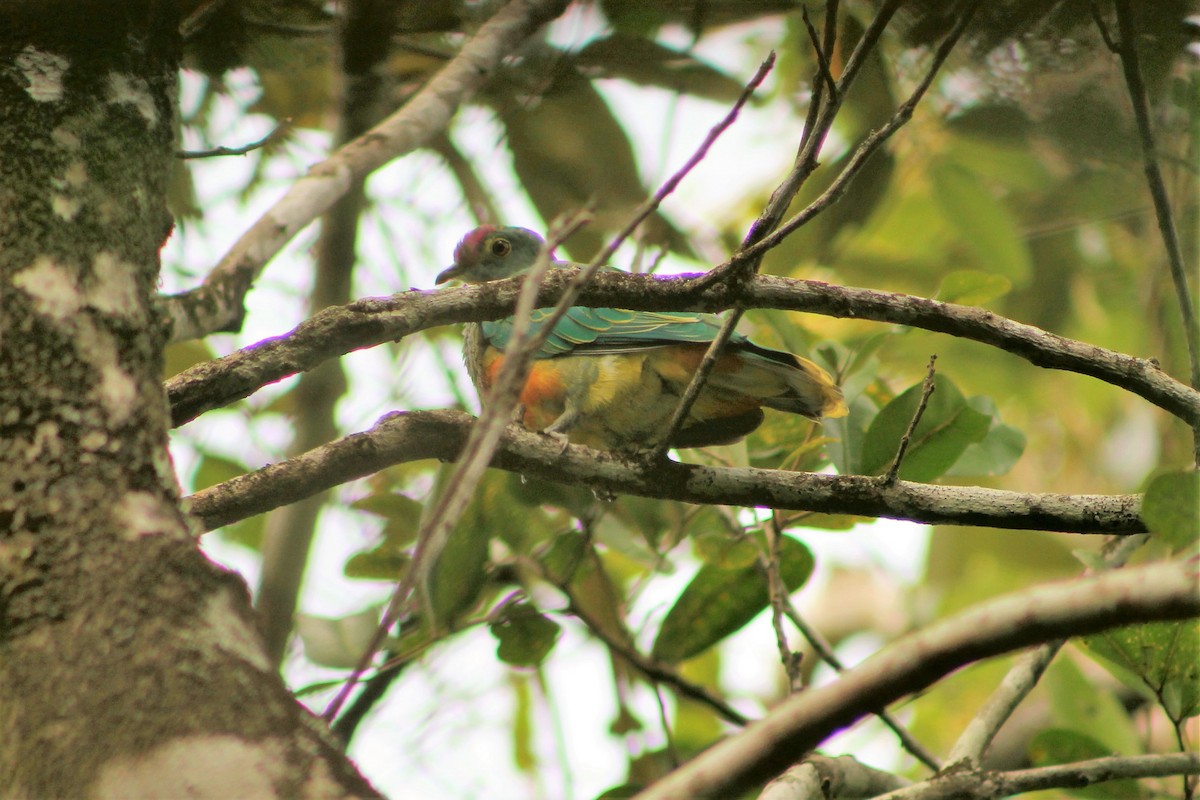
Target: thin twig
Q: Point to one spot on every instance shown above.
(823, 70)
(743, 265)
(278, 131)
(865, 150)
(778, 594)
(1102, 26)
(195, 22)
(1158, 192)
(980, 785)
(926, 392)
(665, 722)
(696, 385)
(655, 671)
(478, 198)
(825, 651)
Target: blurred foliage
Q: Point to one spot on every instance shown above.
(1017, 187)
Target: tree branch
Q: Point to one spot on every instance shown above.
(217, 304)
(372, 321)
(215, 152)
(1128, 52)
(824, 777)
(1020, 679)
(409, 436)
(1155, 592)
(986, 785)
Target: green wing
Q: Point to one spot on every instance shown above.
(613, 330)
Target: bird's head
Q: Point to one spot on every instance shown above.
(489, 253)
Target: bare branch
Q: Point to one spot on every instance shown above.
(864, 151)
(217, 304)
(214, 152)
(372, 321)
(749, 257)
(823, 70)
(1155, 592)
(778, 595)
(401, 437)
(986, 785)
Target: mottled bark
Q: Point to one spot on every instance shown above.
(129, 663)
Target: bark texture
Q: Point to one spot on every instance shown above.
(129, 664)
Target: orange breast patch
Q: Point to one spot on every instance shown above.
(543, 384)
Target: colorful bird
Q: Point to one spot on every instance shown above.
(611, 379)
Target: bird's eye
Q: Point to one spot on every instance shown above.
(501, 247)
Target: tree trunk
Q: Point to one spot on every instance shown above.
(130, 665)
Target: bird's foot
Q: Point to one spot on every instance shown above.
(559, 437)
(604, 495)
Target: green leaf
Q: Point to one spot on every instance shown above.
(1061, 746)
(214, 469)
(525, 636)
(1163, 656)
(337, 642)
(454, 576)
(844, 435)
(391, 505)
(387, 560)
(972, 287)
(562, 557)
(382, 563)
(569, 151)
(645, 62)
(1078, 704)
(719, 601)
(994, 454)
(1171, 509)
(179, 356)
(720, 549)
(984, 225)
(947, 427)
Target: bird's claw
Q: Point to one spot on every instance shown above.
(559, 437)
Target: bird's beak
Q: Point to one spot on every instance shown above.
(450, 273)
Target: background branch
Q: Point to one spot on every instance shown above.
(801, 722)
(1128, 51)
(217, 304)
(288, 534)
